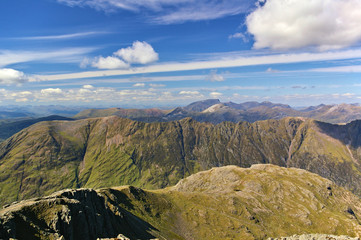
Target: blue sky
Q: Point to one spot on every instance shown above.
(142, 53)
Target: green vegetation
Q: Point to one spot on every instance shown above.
(112, 151)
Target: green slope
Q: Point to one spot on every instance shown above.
(112, 151)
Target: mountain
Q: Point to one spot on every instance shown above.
(213, 111)
(10, 114)
(135, 114)
(113, 151)
(17, 111)
(10, 127)
(222, 203)
(201, 105)
(341, 113)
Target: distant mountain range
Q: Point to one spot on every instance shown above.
(113, 151)
(28, 111)
(223, 203)
(212, 110)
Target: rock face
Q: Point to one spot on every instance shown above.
(71, 214)
(111, 151)
(222, 203)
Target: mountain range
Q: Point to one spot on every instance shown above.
(222, 203)
(15, 119)
(212, 110)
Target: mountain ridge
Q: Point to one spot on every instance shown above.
(111, 151)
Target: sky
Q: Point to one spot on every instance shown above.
(163, 53)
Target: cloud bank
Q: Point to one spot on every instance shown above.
(287, 24)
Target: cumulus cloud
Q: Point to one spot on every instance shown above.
(287, 24)
(215, 94)
(169, 11)
(139, 52)
(12, 76)
(214, 77)
(139, 85)
(109, 63)
(51, 91)
(88, 86)
(189, 93)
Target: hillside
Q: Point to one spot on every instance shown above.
(10, 127)
(222, 203)
(113, 151)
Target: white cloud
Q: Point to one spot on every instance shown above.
(169, 11)
(62, 37)
(139, 85)
(139, 52)
(189, 93)
(62, 55)
(12, 76)
(51, 91)
(325, 24)
(214, 77)
(109, 63)
(235, 61)
(215, 94)
(88, 86)
(238, 36)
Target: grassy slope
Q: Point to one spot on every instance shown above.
(112, 151)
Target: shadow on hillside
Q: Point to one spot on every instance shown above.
(349, 134)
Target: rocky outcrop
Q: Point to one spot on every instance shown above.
(222, 203)
(70, 214)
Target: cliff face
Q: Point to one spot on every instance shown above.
(222, 203)
(112, 151)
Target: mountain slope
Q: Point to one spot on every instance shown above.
(10, 127)
(222, 203)
(113, 151)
